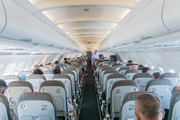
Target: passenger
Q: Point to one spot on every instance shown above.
(56, 70)
(132, 68)
(2, 86)
(130, 61)
(148, 107)
(41, 65)
(176, 89)
(38, 71)
(145, 69)
(65, 61)
(95, 56)
(156, 75)
(23, 77)
(36, 67)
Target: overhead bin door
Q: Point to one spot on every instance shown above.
(2, 16)
(171, 14)
(148, 23)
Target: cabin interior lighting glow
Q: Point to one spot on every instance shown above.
(47, 15)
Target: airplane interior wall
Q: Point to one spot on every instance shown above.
(166, 60)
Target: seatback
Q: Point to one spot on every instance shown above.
(4, 108)
(174, 107)
(163, 89)
(122, 70)
(72, 76)
(127, 105)
(130, 73)
(75, 71)
(101, 72)
(36, 106)
(48, 74)
(58, 91)
(27, 73)
(119, 88)
(174, 90)
(141, 79)
(10, 78)
(174, 77)
(35, 80)
(16, 88)
(105, 76)
(110, 80)
(118, 67)
(67, 82)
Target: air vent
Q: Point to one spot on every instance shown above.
(86, 9)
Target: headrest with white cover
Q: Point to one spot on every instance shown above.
(142, 75)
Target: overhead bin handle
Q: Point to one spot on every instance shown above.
(145, 37)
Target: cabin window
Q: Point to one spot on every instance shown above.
(10, 69)
(19, 68)
(28, 65)
(1, 68)
(145, 65)
(161, 69)
(152, 67)
(171, 71)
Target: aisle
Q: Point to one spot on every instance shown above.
(89, 107)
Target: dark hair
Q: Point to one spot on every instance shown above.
(56, 62)
(2, 83)
(148, 105)
(56, 71)
(156, 74)
(65, 59)
(145, 69)
(130, 61)
(140, 66)
(38, 71)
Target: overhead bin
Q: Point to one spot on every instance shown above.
(171, 15)
(21, 25)
(148, 23)
(2, 16)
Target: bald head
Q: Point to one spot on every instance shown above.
(148, 107)
(132, 68)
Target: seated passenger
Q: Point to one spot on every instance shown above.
(145, 70)
(132, 68)
(36, 67)
(65, 61)
(2, 86)
(38, 71)
(41, 65)
(156, 75)
(56, 70)
(176, 89)
(58, 63)
(23, 77)
(148, 107)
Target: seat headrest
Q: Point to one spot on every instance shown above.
(142, 75)
(131, 71)
(20, 83)
(61, 76)
(52, 83)
(25, 72)
(35, 76)
(36, 96)
(169, 75)
(110, 71)
(47, 72)
(115, 75)
(11, 77)
(159, 82)
(124, 68)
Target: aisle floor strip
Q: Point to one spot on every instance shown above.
(81, 102)
(98, 103)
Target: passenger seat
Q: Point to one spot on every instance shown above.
(174, 77)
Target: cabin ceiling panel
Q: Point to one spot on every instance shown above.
(87, 22)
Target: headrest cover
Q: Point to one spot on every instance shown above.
(61, 76)
(36, 96)
(142, 75)
(67, 72)
(131, 71)
(25, 72)
(4, 100)
(47, 72)
(124, 68)
(10, 77)
(52, 83)
(20, 84)
(36, 76)
(175, 98)
(159, 82)
(115, 75)
(110, 71)
(169, 75)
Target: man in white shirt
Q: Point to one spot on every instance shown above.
(95, 56)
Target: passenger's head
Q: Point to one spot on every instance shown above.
(56, 62)
(36, 67)
(156, 74)
(132, 68)
(176, 89)
(95, 51)
(130, 61)
(38, 71)
(23, 77)
(76, 64)
(140, 66)
(145, 69)
(56, 71)
(148, 107)
(2, 86)
(65, 59)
